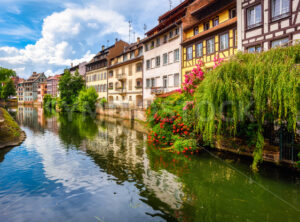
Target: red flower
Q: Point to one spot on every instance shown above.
(186, 132)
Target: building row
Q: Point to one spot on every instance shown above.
(132, 75)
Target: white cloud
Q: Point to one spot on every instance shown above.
(65, 38)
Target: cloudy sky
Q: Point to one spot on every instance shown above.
(47, 35)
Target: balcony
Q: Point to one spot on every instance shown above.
(158, 90)
(121, 77)
(121, 90)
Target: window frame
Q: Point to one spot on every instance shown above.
(196, 49)
(214, 44)
(281, 16)
(187, 58)
(228, 41)
(257, 24)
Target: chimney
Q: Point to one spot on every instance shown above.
(103, 47)
(34, 73)
(138, 40)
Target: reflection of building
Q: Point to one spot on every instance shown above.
(162, 54)
(125, 151)
(96, 69)
(210, 30)
(125, 83)
(263, 24)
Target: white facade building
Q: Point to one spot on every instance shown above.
(162, 62)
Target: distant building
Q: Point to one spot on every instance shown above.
(52, 85)
(96, 69)
(29, 88)
(125, 77)
(80, 67)
(42, 91)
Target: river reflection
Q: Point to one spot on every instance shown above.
(75, 168)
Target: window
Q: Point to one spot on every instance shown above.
(152, 44)
(105, 75)
(146, 47)
(165, 59)
(196, 30)
(199, 50)
(253, 49)
(125, 57)
(280, 42)
(176, 31)
(216, 21)
(165, 81)
(139, 67)
(280, 8)
(176, 55)
(254, 16)
(111, 74)
(165, 39)
(110, 85)
(131, 55)
(232, 13)
(206, 26)
(171, 34)
(224, 41)
(148, 83)
(148, 64)
(176, 79)
(210, 46)
(158, 41)
(130, 98)
(152, 82)
(157, 61)
(189, 53)
(140, 51)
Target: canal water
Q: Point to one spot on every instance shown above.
(78, 168)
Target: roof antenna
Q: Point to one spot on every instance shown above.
(145, 28)
(170, 1)
(130, 25)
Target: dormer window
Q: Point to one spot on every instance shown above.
(206, 26)
(216, 21)
(232, 13)
(196, 30)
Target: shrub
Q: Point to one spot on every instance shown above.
(87, 99)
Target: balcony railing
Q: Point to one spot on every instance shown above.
(121, 90)
(121, 76)
(158, 90)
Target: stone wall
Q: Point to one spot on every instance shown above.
(123, 113)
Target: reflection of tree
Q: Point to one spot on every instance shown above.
(75, 128)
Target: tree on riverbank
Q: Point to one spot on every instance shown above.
(69, 87)
(7, 87)
(246, 98)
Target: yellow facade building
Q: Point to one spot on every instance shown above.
(210, 30)
(125, 78)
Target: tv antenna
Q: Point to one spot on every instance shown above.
(130, 26)
(145, 28)
(170, 2)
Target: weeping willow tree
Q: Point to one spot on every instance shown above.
(248, 92)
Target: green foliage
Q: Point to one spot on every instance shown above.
(8, 89)
(49, 102)
(103, 102)
(5, 74)
(250, 89)
(87, 99)
(9, 129)
(69, 87)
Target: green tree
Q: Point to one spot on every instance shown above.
(87, 100)
(8, 89)
(69, 87)
(6, 74)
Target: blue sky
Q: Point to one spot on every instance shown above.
(46, 36)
